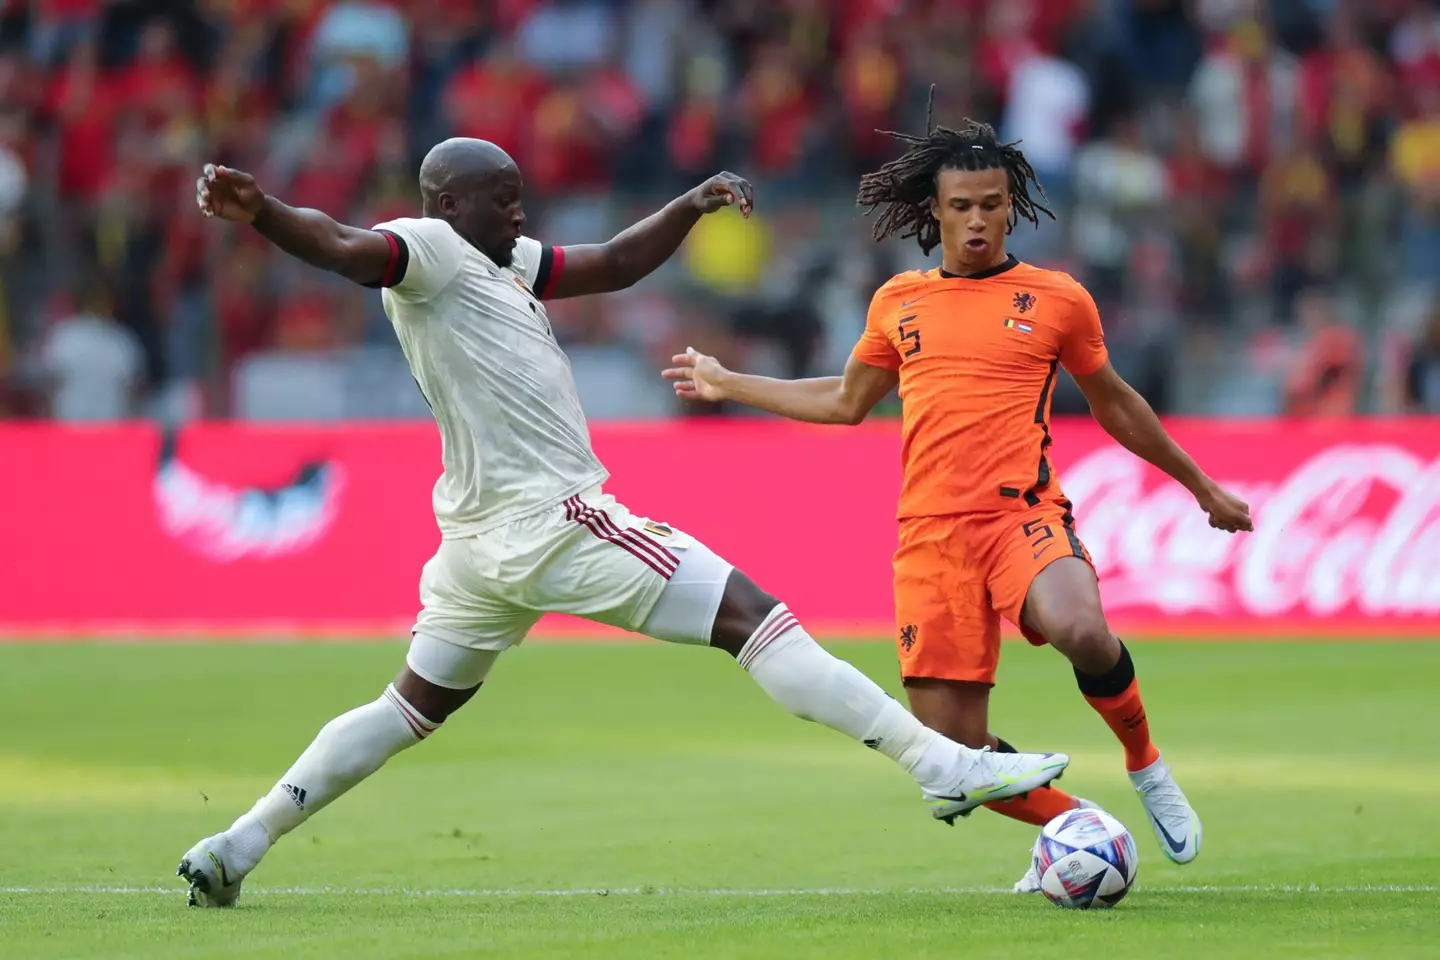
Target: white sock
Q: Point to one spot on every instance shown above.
(803, 678)
(345, 751)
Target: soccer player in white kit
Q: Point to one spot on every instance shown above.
(526, 528)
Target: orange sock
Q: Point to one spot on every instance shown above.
(1116, 697)
(1039, 808)
(1126, 716)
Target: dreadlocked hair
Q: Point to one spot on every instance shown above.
(904, 187)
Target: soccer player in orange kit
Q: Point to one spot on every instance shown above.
(985, 530)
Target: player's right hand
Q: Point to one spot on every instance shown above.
(696, 376)
(228, 194)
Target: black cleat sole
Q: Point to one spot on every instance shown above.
(199, 883)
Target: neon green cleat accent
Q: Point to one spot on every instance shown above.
(996, 776)
(211, 883)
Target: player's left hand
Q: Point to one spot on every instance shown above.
(723, 190)
(1227, 511)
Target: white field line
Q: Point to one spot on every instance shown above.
(1294, 889)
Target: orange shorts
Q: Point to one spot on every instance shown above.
(956, 576)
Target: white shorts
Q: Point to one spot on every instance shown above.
(588, 557)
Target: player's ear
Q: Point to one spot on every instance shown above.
(935, 207)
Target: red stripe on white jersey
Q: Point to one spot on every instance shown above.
(783, 622)
(557, 267)
(389, 279)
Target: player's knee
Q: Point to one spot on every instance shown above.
(1086, 642)
(743, 608)
(434, 702)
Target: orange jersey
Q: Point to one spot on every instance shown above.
(978, 357)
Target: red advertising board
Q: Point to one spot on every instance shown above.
(322, 531)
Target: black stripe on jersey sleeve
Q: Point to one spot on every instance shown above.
(543, 272)
(399, 262)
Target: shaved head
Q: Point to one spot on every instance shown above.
(459, 163)
(475, 186)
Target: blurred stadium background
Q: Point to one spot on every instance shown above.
(1251, 189)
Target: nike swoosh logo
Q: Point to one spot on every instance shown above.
(906, 303)
(1036, 555)
(960, 799)
(1176, 847)
(224, 877)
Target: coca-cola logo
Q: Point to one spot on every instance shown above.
(226, 523)
(1355, 527)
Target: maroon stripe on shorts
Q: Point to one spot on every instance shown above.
(639, 539)
(598, 523)
(588, 522)
(635, 536)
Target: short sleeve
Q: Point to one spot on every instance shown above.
(425, 255)
(874, 347)
(1082, 351)
(538, 265)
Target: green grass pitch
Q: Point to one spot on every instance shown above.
(633, 800)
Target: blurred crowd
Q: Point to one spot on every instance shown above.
(1251, 189)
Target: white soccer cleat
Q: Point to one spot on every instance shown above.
(1030, 883)
(990, 776)
(1172, 818)
(212, 884)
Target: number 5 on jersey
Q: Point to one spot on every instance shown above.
(912, 335)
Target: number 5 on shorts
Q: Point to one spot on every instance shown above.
(1044, 530)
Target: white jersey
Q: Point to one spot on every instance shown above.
(481, 349)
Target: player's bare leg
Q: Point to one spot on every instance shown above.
(346, 751)
(1063, 606)
(960, 709)
(768, 641)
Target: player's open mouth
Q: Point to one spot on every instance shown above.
(977, 245)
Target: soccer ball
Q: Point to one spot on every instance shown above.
(1085, 860)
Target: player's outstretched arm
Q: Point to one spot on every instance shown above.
(639, 250)
(359, 255)
(1126, 416)
(844, 399)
